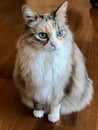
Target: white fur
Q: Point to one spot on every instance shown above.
(38, 114)
(54, 115)
(49, 69)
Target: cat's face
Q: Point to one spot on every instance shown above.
(47, 31)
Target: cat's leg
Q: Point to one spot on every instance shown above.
(54, 114)
(55, 106)
(38, 109)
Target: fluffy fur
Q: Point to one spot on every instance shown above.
(50, 72)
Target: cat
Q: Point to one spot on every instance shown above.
(50, 71)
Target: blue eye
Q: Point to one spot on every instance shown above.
(60, 33)
(42, 35)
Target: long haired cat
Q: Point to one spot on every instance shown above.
(50, 72)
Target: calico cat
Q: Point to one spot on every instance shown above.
(50, 71)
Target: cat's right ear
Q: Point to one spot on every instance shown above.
(29, 15)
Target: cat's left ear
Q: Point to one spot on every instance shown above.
(61, 12)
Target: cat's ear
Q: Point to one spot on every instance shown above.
(61, 12)
(29, 15)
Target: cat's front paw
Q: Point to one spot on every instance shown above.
(38, 113)
(53, 117)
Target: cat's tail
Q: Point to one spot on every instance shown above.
(74, 104)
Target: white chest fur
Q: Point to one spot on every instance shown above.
(49, 70)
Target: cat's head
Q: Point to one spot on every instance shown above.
(48, 31)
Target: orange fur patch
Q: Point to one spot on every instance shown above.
(49, 27)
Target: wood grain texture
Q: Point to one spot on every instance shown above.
(83, 21)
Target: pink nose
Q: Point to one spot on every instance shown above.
(53, 45)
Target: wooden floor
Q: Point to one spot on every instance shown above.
(83, 21)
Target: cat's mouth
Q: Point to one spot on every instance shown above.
(53, 48)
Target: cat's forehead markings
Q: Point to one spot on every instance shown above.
(49, 26)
